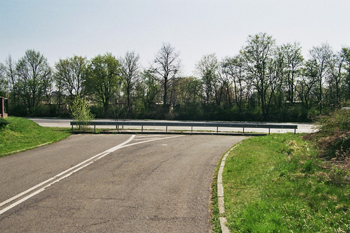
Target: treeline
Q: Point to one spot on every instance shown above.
(263, 82)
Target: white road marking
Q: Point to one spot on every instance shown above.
(150, 135)
(136, 143)
(57, 178)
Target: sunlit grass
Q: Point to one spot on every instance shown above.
(276, 184)
(23, 134)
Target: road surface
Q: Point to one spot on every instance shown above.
(111, 183)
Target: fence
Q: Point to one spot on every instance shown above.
(186, 124)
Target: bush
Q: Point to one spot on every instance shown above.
(18, 110)
(3, 123)
(333, 137)
(81, 112)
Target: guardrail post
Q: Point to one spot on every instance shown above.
(94, 128)
(166, 128)
(217, 129)
(118, 128)
(141, 128)
(295, 131)
(191, 128)
(243, 130)
(72, 128)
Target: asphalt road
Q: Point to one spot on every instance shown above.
(111, 183)
(302, 127)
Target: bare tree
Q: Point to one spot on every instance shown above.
(335, 78)
(257, 55)
(71, 73)
(167, 65)
(306, 84)
(345, 53)
(130, 73)
(234, 67)
(294, 61)
(207, 69)
(34, 78)
(11, 76)
(322, 56)
(3, 80)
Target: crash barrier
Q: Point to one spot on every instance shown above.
(185, 124)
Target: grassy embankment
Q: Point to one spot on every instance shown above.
(22, 134)
(277, 183)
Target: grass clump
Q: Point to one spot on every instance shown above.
(278, 184)
(22, 134)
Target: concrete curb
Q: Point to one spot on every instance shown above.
(221, 203)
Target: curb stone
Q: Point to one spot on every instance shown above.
(220, 195)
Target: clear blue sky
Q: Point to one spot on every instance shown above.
(63, 28)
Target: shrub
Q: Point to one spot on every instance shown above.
(81, 112)
(3, 123)
(333, 137)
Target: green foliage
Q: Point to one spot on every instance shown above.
(3, 123)
(277, 184)
(264, 81)
(81, 112)
(103, 79)
(23, 134)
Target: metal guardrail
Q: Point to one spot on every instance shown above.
(186, 124)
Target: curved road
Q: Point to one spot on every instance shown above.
(111, 183)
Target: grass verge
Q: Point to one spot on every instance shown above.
(277, 183)
(22, 134)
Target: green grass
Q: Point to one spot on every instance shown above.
(23, 134)
(276, 183)
(215, 222)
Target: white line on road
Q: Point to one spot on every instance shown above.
(57, 178)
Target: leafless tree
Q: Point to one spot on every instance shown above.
(167, 65)
(130, 73)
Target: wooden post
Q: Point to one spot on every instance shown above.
(2, 107)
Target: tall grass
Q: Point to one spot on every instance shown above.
(23, 134)
(277, 184)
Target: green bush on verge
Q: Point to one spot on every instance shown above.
(81, 112)
(3, 123)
